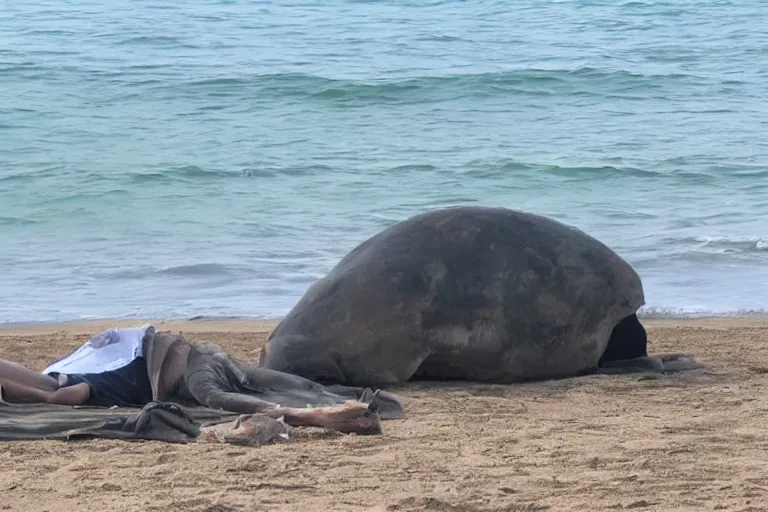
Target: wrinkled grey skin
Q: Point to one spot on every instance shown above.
(468, 293)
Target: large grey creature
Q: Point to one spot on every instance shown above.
(469, 293)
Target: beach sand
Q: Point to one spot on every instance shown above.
(696, 441)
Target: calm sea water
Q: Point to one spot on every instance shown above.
(216, 158)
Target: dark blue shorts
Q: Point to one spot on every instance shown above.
(126, 387)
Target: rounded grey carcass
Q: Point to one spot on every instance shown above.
(468, 293)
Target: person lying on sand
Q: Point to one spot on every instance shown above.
(107, 370)
(125, 386)
(149, 366)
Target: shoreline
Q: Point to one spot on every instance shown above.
(256, 325)
(191, 325)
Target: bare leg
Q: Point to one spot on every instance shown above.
(350, 418)
(279, 395)
(15, 372)
(295, 391)
(20, 393)
(71, 395)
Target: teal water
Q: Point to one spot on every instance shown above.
(216, 158)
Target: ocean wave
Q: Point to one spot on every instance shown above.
(183, 173)
(661, 312)
(194, 270)
(722, 244)
(750, 173)
(9, 69)
(199, 270)
(162, 41)
(15, 221)
(22, 176)
(292, 171)
(505, 167)
(714, 252)
(486, 169)
(203, 313)
(404, 170)
(584, 81)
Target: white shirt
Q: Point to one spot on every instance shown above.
(108, 350)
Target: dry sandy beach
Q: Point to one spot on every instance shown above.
(687, 442)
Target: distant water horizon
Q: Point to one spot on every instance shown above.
(216, 159)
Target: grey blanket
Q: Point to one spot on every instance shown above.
(160, 421)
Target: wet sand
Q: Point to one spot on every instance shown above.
(696, 441)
